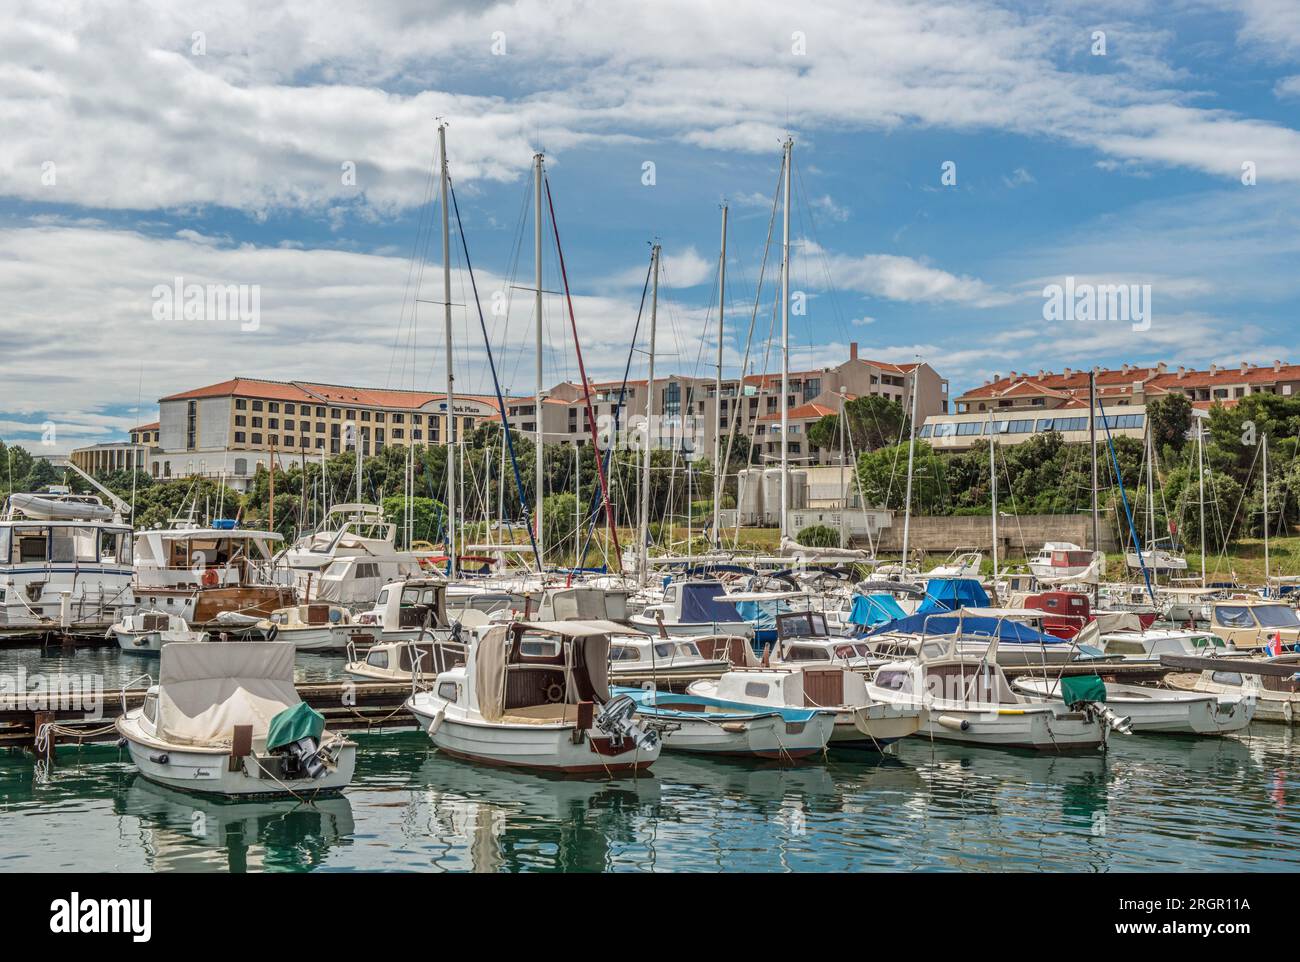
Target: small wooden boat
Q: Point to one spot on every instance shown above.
(1161, 710)
(226, 719)
(145, 632)
(717, 726)
(535, 695)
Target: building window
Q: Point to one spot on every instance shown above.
(257, 405)
(257, 439)
(191, 425)
(239, 437)
(241, 404)
(257, 422)
(379, 417)
(351, 414)
(273, 424)
(397, 419)
(288, 425)
(240, 421)
(336, 413)
(365, 415)
(274, 407)
(289, 409)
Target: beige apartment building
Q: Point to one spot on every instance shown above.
(753, 403)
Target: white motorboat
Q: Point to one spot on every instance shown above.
(969, 701)
(1149, 645)
(636, 659)
(202, 574)
(225, 719)
(318, 627)
(715, 726)
(1160, 709)
(406, 661)
(1274, 682)
(65, 564)
(409, 610)
(859, 722)
(145, 632)
(348, 557)
(535, 695)
(1058, 562)
(692, 608)
(960, 564)
(803, 639)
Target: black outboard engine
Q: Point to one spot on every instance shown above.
(302, 759)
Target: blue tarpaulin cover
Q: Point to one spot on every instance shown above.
(949, 594)
(871, 610)
(1013, 632)
(698, 603)
(761, 614)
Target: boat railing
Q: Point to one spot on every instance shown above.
(145, 677)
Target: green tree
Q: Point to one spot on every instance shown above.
(818, 536)
(1168, 419)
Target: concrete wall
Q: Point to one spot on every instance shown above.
(1017, 535)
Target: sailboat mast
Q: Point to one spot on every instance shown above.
(1092, 443)
(785, 339)
(643, 540)
(911, 457)
(1266, 559)
(718, 474)
(449, 439)
(993, 480)
(1200, 468)
(844, 489)
(539, 438)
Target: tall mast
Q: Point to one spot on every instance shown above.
(537, 306)
(1092, 442)
(1266, 565)
(844, 490)
(911, 455)
(993, 479)
(785, 339)
(644, 535)
(717, 381)
(1200, 467)
(449, 440)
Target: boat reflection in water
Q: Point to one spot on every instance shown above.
(182, 832)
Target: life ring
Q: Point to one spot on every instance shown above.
(209, 577)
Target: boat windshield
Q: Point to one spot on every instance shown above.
(1276, 616)
(1233, 616)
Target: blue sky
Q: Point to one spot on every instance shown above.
(205, 142)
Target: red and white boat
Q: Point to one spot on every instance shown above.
(1059, 561)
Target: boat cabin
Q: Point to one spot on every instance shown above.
(414, 603)
(1064, 612)
(1254, 623)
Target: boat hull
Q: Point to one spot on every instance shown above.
(550, 748)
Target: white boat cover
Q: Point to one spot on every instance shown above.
(205, 689)
(54, 508)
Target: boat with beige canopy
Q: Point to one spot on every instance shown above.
(536, 695)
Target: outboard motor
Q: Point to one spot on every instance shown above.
(303, 759)
(617, 720)
(294, 735)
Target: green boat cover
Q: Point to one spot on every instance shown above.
(300, 721)
(1075, 689)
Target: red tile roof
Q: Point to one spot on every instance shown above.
(153, 426)
(313, 393)
(1120, 381)
(803, 412)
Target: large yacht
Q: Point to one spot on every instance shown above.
(65, 563)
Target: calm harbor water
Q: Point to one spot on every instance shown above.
(1150, 803)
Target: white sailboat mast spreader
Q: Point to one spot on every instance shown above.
(450, 435)
(785, 340)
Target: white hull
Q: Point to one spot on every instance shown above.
(207, 772)
(547, 747)
(325, 637)
(1035, 726)
(1169, 712)
(768, 736)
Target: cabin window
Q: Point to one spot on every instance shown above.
(663, 650)
(30, 544)
(894, 680)
(1226, 678)
(624, 653)
(377, 659)
(447, 691)
(4, 544)
(670, 595)
(1233, 616)
(74, 544)
(383, 598)
(688, 649)
(756, 689)
(807, 653)
(151, 707)
(536, 648)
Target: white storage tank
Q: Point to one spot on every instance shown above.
(772, 496)
(749, 495)
(798, 490)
